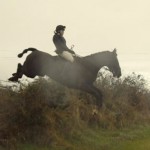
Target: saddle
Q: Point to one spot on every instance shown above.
(59, 58)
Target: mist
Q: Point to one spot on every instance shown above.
(92, 26)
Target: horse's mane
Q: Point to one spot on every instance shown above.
(98, 53)
(88, 57)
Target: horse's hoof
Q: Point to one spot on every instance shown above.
(95, 111)
(13, 79)
(14, 74)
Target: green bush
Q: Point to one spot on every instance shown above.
(45, 112)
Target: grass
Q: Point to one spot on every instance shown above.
(94, 139)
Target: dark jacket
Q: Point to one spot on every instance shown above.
(60, 44)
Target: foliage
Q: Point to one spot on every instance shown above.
(47, 113)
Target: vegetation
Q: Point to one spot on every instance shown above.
(45, 114)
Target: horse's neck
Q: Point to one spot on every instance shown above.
(98, 60)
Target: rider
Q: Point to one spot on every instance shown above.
(60, 44)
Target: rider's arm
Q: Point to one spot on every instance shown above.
(61, 44)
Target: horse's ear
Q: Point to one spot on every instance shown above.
(115, 51)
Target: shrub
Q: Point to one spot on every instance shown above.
(45, 112)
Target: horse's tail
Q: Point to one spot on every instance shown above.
(26, 50)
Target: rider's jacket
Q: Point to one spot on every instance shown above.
(60, 44)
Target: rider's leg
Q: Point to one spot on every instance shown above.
(67, 56)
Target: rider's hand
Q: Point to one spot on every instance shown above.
(72, 46)
(71, 51)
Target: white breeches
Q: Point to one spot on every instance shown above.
(68, 56)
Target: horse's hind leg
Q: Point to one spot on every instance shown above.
(17, 75)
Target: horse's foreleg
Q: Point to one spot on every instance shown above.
(100, 95)
(95, 92)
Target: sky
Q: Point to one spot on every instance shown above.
(91, 25)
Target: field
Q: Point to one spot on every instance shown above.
(127, 139)
(45, 115)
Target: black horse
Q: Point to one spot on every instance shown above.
(78, 75)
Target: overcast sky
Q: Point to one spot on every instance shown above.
(91, 25)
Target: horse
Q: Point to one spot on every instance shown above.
(80, 74)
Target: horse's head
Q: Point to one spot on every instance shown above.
(105, 58)
(113, 65)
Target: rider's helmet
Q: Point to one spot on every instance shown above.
(59, 28)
